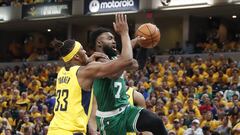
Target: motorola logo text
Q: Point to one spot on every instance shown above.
(95, 5)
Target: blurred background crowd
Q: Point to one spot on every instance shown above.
(182, 91)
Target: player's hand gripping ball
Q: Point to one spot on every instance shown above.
(151, 34)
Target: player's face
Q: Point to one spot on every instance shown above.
(106, 43)
(83, 58)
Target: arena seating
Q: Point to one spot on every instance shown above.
(179, 89)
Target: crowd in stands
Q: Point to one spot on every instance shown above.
(206, 47)
(17, 3)
(26, 99)
(30, 50)
(191, 95)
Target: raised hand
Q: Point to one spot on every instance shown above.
(120, 25)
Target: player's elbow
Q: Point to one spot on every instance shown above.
(134, 66)
(127, 62)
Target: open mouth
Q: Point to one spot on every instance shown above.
(114, 47)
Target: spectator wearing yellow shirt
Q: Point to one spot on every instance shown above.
(8, 94)
(205, 91)
(34, 112)
(212, 77)
(211, 46)
(176, 94)
(177, 127)
(176, 114)
(180, 72)
(235, 78)
(23, 102)
(221, 99)
(200, 64)
(153, 101)
(197, 77)
(16, 94)
(230, 70)
(8, 117)
(205, 85)
(190, 106)
(203, 72)
(234, 103)
(167, 124)
(236, 129)
(39, 95)
(4, 126)
(172, 101)
(27, 125)
(222, 78)
(34, 85)
(184, 80)
(184, 94)
(210, 122)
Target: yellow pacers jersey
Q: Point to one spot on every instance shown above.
(73, 105)
(131, 101)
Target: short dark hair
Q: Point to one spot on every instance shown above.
(65, 47)
(95, 34)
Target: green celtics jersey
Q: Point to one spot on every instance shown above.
(110, 94)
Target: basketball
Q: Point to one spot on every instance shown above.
(151, 33)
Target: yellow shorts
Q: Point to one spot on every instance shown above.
(131, 133)
(60, 132)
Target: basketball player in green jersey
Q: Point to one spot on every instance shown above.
(114, 115)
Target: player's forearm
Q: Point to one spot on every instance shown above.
(118, 67)
(127, 52)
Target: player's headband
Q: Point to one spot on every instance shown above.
(74, 51)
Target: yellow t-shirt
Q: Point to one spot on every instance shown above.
(174, 116)
(180, 131)
(213, 124)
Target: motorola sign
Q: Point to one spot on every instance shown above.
(94, 6)
(108, 6)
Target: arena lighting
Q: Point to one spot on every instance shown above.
(111, 13)
(234, 16)
(46, 17)
(237, 2)
(184, 7)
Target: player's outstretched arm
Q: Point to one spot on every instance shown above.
(121, 27)
(104, 70)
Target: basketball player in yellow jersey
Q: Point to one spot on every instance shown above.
(75, 78)
(137, 99)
